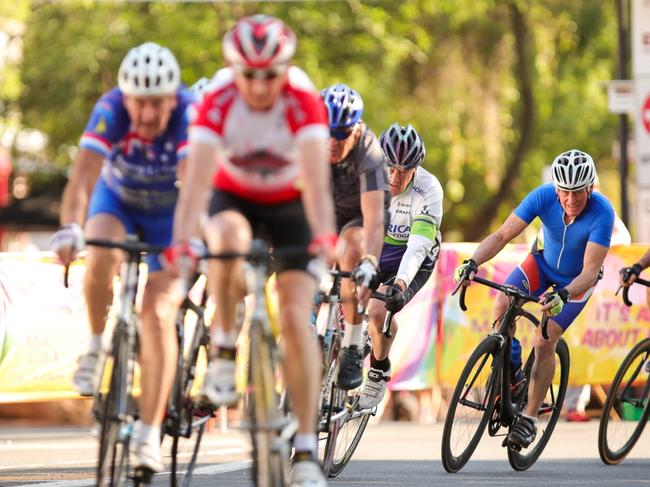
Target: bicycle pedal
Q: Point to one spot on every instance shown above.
(142, 475)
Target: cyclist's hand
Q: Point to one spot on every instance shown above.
(555, 301)
(324, 246)
(627, 275)
(465, 271)
(395, 300)
(181, 259)
(67, 241)
(365, 277)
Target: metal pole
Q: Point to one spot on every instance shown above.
(622, 10)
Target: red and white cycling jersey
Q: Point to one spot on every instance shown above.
(258, 149)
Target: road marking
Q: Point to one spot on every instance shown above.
(208, 470)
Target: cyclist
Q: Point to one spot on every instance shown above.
(361, 197)
(628, 275)
(410, 247)
(123, 181)
(577, 224)
(264, 123)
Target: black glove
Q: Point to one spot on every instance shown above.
(395, 300)
(627, 272)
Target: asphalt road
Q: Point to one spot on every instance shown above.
(391, 454)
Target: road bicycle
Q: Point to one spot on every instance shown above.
(489, 395)
(341, 422)
(627, 407)
(271, 426)
(186, 418)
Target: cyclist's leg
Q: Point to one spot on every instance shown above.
(288, 227)
(350, 362)
(158, 344)
(107, 219)
(227, 230)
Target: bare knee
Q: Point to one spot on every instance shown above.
(228, 231)
(352, 242)
(376, 314)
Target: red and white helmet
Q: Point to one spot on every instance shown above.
(259, 41)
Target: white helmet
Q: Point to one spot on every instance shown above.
(149, 69)
(573, 170)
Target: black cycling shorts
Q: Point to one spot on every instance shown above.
(357, 221)
(281, 224)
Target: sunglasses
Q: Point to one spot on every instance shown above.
(339, 134)
(268, 74)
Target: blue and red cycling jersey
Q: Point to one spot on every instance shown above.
(565, 244)
(140, 172)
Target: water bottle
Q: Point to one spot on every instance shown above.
(515, 355)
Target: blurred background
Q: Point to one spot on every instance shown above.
(496, 88)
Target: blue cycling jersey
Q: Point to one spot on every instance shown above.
(565, 244)
(141, 173)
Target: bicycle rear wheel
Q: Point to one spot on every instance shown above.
(270, 451)
(626, 409)
(471, 405)
(549, 411)
(116, 422)
(188, 421)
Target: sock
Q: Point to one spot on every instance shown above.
(306, 443)
(224, 339)
(383, 365)
(533, 419)
(95, 343)
(149, 434)
(353, 335)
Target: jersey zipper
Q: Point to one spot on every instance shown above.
(559, 257)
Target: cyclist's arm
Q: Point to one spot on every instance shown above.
(83, 176)
(644, 261)
(594, 257)
(198, 171)
(315, 177)
(495, 242)
(372, 209)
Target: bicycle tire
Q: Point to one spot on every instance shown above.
(549, 411)
(187, 426)
(610, 454)
(353, 427)
(113, 462)
(477, 412)
(269, 461)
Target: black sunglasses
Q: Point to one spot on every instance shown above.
(263, 74)
(340, 134)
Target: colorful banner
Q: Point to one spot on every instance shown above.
(43, 325)
(598, 340)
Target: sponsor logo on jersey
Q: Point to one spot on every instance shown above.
(100, 127)
(419, 191)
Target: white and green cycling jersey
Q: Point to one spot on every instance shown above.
(413, 230)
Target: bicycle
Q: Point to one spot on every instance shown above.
(116, 409)
(486, 394)
(627, 407)
(270, 425)
(341, 423)
(186, 419)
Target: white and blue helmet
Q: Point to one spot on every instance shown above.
(199, 88)
(344, 106)
(573, 170)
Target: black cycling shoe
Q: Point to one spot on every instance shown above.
(522, 433)
(350, 367)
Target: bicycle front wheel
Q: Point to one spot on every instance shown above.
(344, 434)
(626, 409)
(471, 405)
(270, 453)
(549, 411)
(112, 466)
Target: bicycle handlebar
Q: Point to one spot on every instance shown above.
(508, 290)
(626, 289)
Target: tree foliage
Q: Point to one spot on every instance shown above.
(496, 88)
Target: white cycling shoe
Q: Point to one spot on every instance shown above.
(86, 377)
(148, 456)
(374, 389)
(219, 386)
(307, 474)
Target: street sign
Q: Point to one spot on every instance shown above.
(620, 96)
